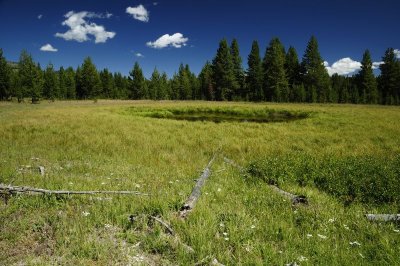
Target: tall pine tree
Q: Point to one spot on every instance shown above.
(254, 81)
(389, 81)
(366, 80)
(238, 72)
(5, 78)
(224, 78)
(314, 74)
(276, 87)
(206, 82)
(137, 83)
(90, 82)
(292, 67)
(51, 83)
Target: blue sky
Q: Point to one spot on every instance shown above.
(114, 37)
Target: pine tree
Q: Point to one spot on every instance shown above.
(5, 78)
(51, 83)
(292, 67)
(275, 80)
(30, 78)
(62, 76)
(80, 93)
(206, 82)
(223, 72)
(107, 83)
(90, 82)
(366, 80)
(184, 84)
(70, 84)
(137, 83)
(389, 81)
(238, 71)
(154, 85)
(314, 73)
(120, 87)
(164, 91)
(255, 74)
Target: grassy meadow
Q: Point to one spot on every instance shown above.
(344, 158)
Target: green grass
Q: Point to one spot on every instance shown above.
(344, 158)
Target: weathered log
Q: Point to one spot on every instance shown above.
(296, 199)
(30, 190)
(383, 217)
(167, 226)
(196, 192)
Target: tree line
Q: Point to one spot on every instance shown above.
(277, 77)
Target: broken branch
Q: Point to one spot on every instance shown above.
(383, 217)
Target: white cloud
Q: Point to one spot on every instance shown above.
(343, 66)
(176, 40)
(397, 53)
(48, 48)
(375, 65)
(80, 28)
(40, 16)
(155, 3)
(139, 55)
(139, 13)
(346, 66)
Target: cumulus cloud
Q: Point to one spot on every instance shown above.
(397, 53)
(40, 16)
(139, 55)
(343, 66)
(346, 66)
(139, 12)
(48, 48)
(80, 28)
(176, 40)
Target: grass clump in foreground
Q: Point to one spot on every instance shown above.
(238, 220)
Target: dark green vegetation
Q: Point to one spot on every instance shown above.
(277, 77)
(221, 114)
(344, 158)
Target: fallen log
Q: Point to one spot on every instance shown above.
(196, 192)
(8, 189)
(383, 217)
(295, 199)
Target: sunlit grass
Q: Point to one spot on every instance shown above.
(102, 146)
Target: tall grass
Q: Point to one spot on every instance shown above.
(103, 145)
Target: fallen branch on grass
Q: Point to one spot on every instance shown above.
(30, 190)
(383, 217)
(196, 192)
(296, 199)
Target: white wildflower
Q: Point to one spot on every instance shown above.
(103, 183)
(170, 182)
(70, 183)
(331, 220)
(253, 226)
(292, 264)
(302, 258)
(396, 230)
(322, 236)
(309, 235)
(137, 185)
(226, 238)
(355, 243)
(107, 226)
(221, 225)
(225, 233)
(85, 213)
(219, 189)
(346, 227)
(361, 255)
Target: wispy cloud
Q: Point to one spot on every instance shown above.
(139, 12)
(346, 66)
(397, 53)
(39, 16)
(139, 55)
(80, 28)
(48, 48)
(176, 40)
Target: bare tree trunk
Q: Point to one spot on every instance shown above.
(29, 190)
(196, 192)
(383, 217)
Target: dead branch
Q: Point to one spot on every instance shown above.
(30, 190)
(383, 217)
(167, 226)
(196, 192)
(296, 199)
